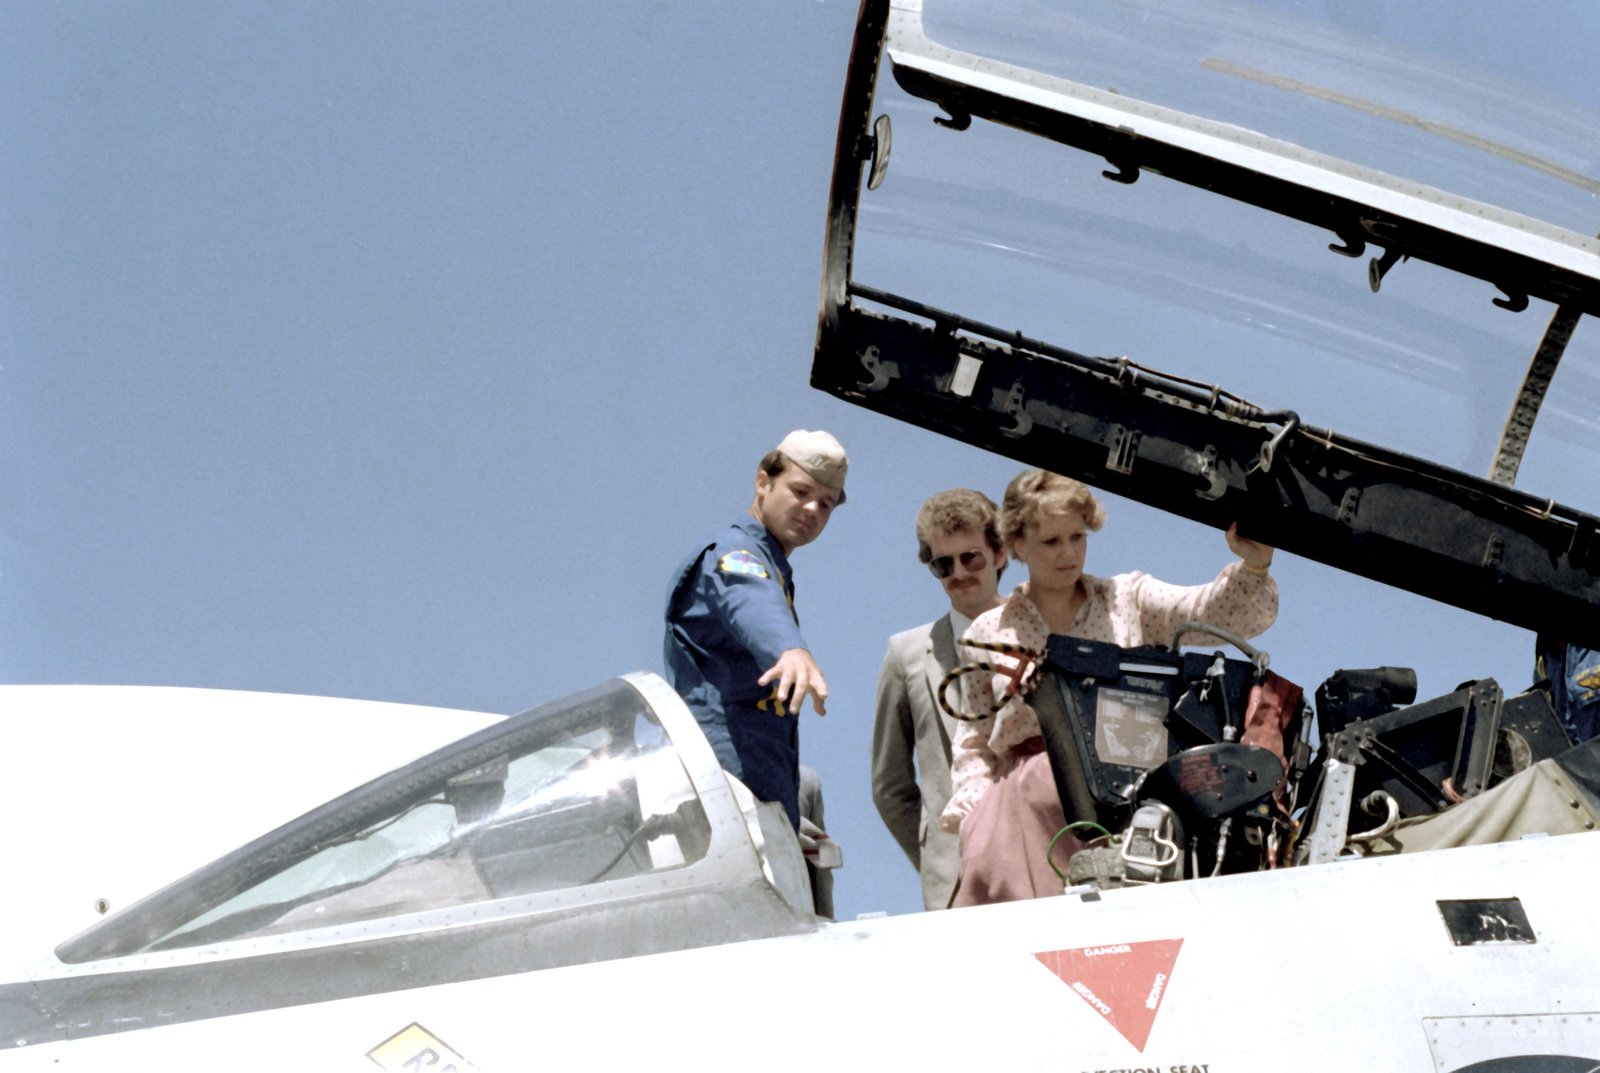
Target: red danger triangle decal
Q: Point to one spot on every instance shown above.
(1124, 983)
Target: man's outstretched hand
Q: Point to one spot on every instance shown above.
(798, 676)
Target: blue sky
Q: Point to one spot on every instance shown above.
(400, 351)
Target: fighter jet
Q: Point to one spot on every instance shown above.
(1382, 881)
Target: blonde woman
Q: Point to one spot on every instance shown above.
(1004, 802)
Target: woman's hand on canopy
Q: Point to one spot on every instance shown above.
(1256, 556)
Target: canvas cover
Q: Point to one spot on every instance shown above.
(1560, 795)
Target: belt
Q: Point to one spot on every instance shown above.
(1028, 747)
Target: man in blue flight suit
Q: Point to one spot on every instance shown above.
(1572, 673)
(733, 647)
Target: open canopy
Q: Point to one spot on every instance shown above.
(1240, 266)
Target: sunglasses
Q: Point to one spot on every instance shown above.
(945, 565)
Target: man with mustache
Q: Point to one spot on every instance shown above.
(958, 539)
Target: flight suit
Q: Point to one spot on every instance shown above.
(1573, 674)
(730, 615)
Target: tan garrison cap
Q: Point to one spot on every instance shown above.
(819, 454)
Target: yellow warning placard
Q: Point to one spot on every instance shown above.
(414, 1049)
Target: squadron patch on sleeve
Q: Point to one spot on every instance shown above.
(742, 562)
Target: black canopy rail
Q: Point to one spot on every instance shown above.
(1209, 455)
(1212, 398)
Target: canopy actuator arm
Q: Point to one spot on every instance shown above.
(1519, 425)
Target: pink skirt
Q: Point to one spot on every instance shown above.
(1005, 840)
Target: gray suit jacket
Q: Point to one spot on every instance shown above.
(911, 754)
(811, 809)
